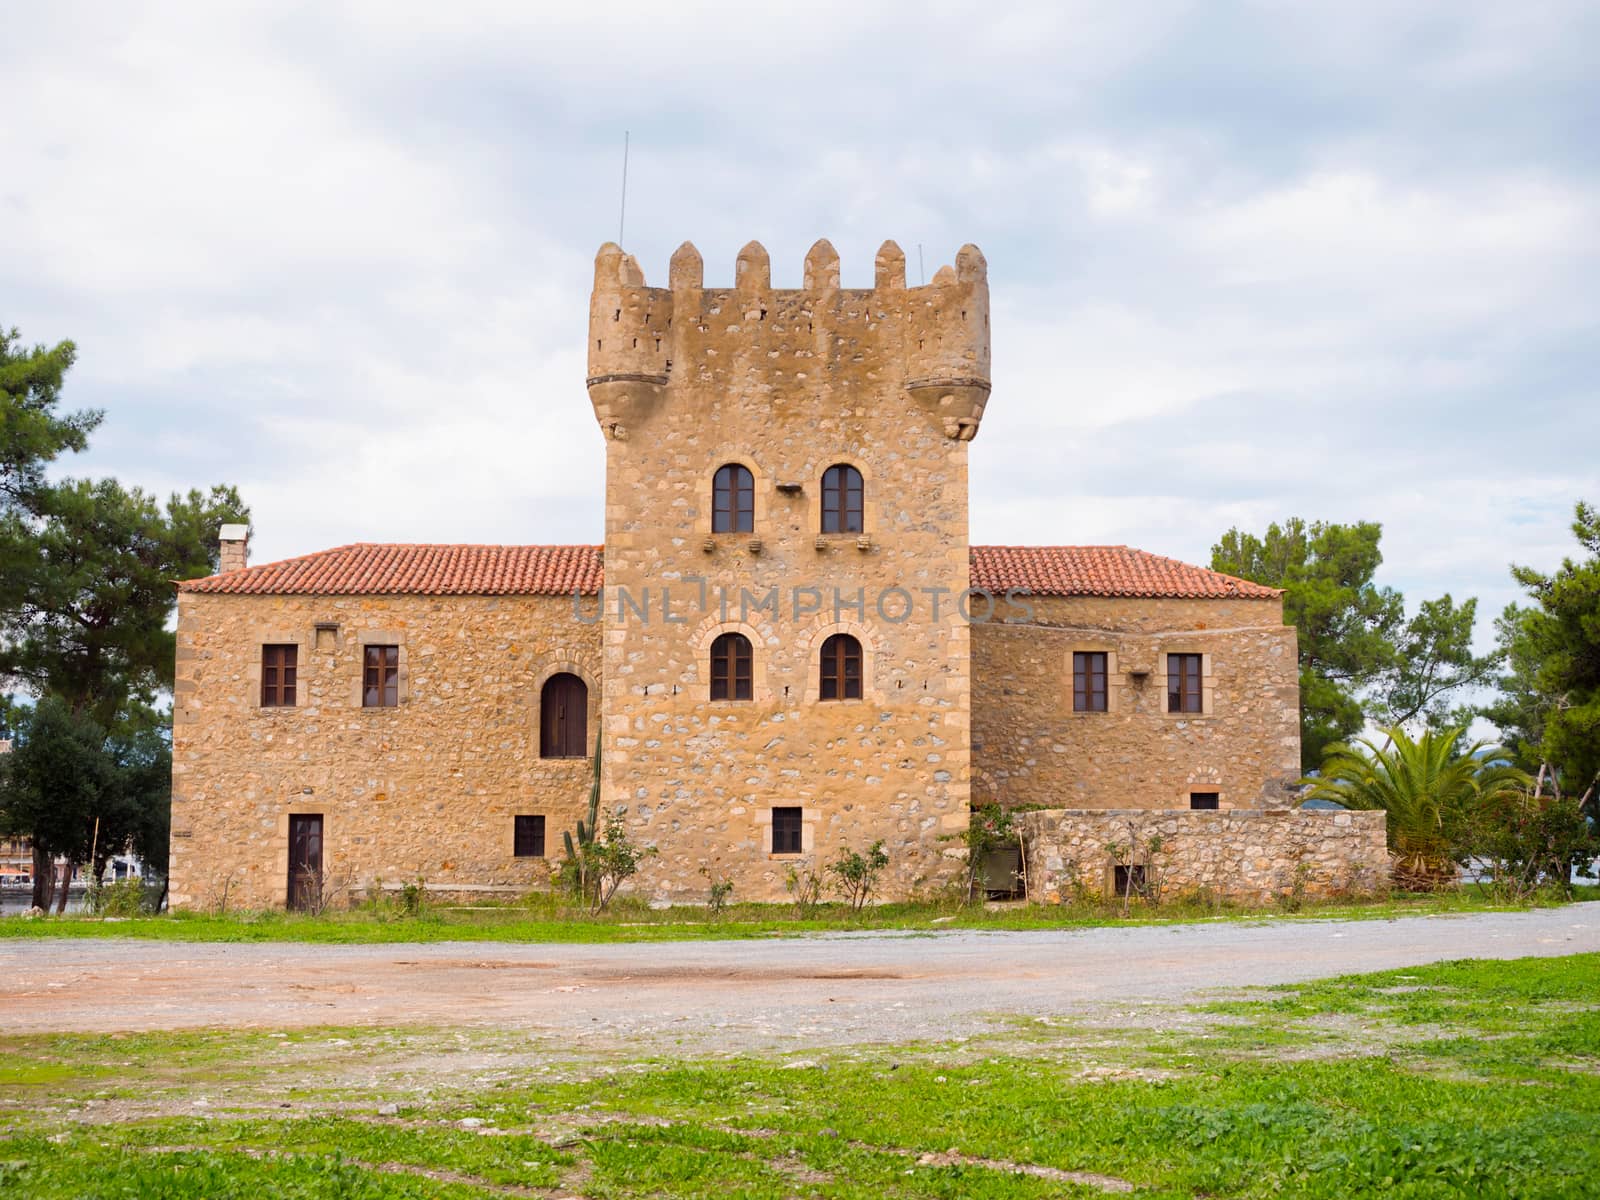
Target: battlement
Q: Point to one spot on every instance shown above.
(931, 340)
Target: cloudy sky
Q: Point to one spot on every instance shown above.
(1248, 261)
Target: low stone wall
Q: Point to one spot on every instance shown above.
(1246, 855)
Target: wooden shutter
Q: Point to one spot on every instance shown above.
(1088, 681)
(840, 676)
(733, 500)
(278, 676)
(842, 500)
(731, 667)
(1185, 692)
(786, 831)
(528, 836)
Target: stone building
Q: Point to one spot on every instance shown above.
(795, 649)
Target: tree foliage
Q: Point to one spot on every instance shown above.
(1549, 703)
(1361, 658)
(1427, 787)
(1432, 665)
(32, 432)
(83, 794)
(1344, 622)
(86, 596)
(92, 624)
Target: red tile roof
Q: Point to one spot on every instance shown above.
(376, 569)
(1103, 571)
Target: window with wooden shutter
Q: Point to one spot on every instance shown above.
(1088, 681)
(733, 500)
(380, 682)
(841, 499)
(278, 676)
(731, 667)
(786, 831)
(1185, 692)
(564, 717)
(840, 669)
(528, 836)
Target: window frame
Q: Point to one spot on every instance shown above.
(534, 831)
(1205, 801)
(387, 677)
(732, 670)
(834, 662)
(284, 693)
(1084, 677)
(733, 499)
(1186, 688)
(843, 500)
(793, 825)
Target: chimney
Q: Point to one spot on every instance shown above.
(235, 542)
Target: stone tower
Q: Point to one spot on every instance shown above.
(685, 380)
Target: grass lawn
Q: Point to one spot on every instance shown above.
(1461, 1079)
(545, 918)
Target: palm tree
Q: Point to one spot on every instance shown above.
(1426, 788)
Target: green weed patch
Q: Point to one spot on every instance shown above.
(1465, 1078)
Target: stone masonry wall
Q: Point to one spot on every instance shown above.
(1247, 855)
(1030, 749)
(787, 382)
(429, 787)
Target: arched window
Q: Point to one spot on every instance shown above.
(733, 500)
(564, 717)
(841, 668)
(730, 667)
(841, 499)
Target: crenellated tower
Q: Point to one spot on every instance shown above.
(938, 333)
(783, 385)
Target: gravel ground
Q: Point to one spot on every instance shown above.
(836, 989)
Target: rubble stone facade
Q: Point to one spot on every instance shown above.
(428, 787)
(1249, 856)
(963, 691)
(1033, 750)
(890, 381)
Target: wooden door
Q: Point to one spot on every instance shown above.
(305, 861)
(564, 718)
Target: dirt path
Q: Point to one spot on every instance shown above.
(828, 990)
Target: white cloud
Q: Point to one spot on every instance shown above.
(1247, 263)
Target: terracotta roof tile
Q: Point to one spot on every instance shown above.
(368, 568)
(1103, 571)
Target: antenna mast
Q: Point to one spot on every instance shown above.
(622, 217)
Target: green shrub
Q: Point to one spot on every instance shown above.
(131, 897)
(857, 874)
(805, 884)
(414, 897)
(1528, 843)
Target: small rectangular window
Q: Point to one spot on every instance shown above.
(1184, 691)
(786, 831)
(278, 672)
(1204, 800)
(380, 684)
(1128, 880)
(1088, 681)
(528, 837)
